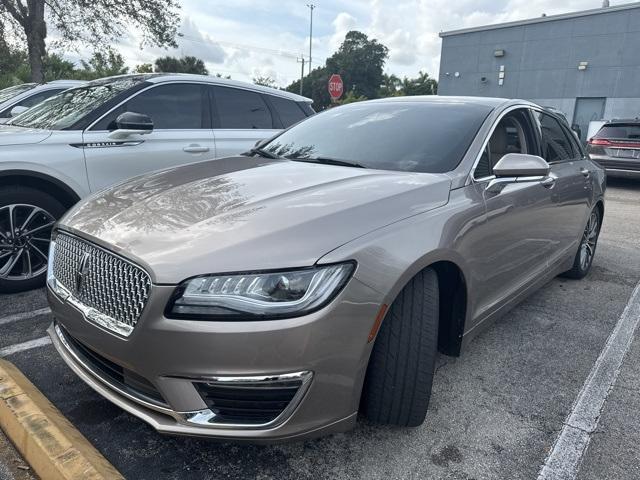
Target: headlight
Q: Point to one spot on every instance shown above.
(264, 295)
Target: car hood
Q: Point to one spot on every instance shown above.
(13, 135)
(248, 213)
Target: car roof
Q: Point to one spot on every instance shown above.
(62, 83)
(172, 77)
(623, 120)
(490, 102)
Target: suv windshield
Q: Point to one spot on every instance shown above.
(10, 92)
(622, 131)
(65, 109)
(405, 135)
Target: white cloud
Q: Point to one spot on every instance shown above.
(245, 38)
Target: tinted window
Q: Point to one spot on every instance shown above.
(173, 106)
(624, 131)
(241, 109)
(556, 146)
(396, 135)
(65, 109)
(38, 97)
(288, 111)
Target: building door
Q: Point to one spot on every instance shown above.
(587, 109)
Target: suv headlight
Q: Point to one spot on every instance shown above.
(263, 295)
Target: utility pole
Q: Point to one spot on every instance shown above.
(311, 7)
(301, 60)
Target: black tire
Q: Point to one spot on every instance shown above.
(400, 373)
(53, 209)
(588, 241)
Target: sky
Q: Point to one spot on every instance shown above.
(250, 38)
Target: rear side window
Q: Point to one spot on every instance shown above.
(556, 146)
(622, 131)
(174, 106)
(241, 109)
(288, 111)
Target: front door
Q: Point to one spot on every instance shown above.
(182, 134)
(516, 239)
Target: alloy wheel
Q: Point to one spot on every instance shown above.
(589, 239)
(25, 232)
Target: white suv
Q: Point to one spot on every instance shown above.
(17, 99)
(106, 131)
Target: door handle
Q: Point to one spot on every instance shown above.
(195, 149)
(548, 182)
(585, 173)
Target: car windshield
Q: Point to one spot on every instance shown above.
(412, 136)
(65, 109)
(624, 131)
(10, 92)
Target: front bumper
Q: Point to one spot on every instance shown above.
(325, 352)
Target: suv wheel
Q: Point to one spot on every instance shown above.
(400, 372)
(584, 258)
(27, 217)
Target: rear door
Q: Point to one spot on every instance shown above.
(182, 134)
(240, 118)
(573, 183)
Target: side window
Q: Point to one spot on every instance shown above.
(288, 110)
(513, 134)
(556, 145)
(241, 109)
(173, 106)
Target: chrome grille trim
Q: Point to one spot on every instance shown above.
(109, 290)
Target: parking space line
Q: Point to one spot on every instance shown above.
(20, 347)
(571, 444)
(23, 316)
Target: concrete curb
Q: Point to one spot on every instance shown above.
(53, 447)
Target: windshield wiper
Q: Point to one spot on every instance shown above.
(329, 161)
(263, 153)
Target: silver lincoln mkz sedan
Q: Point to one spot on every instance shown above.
(274, 295)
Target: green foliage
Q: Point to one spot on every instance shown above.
(96, 23)
(351, 97)
(143, 68)
(265, 81)
(186, 64)
(103, 65)
(12, 65)
(421, 85)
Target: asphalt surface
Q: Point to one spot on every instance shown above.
(495, 412)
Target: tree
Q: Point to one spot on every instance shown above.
(103, 65)
(186, 64)
(422, 85)
(143, 68)
(359, 61)
(265, 81)
(92, 23)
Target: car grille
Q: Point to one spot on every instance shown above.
(107, 284)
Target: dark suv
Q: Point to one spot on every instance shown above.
(616, 147)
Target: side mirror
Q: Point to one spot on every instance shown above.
(132, 123)
(521, 165)
(519, 168)
(17, 110)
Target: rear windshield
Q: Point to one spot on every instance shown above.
(429, 137)
(625, 131)
(10, 92)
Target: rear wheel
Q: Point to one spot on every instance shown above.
(400, 372)
(584, 258)
(27, 217)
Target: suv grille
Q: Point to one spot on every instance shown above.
(110, 290)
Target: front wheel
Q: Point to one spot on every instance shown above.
(27, 217)
(584, 257)
(400, 373)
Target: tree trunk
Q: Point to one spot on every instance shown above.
(36, 31)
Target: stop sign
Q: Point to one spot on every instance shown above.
(335, 86)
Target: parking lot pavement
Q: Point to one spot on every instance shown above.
(12, 466)
(495, 412)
